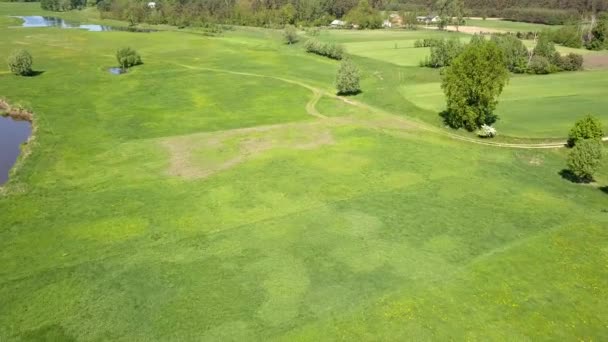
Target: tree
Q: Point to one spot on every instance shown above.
(20, 63)
(409, 20)
(472, 85)
(127, 58)
(443, 52)
(585, 158)
(364, 16)
(588, 127)
(544, 46)
(347, 79)
(516, 53)
(290, 34)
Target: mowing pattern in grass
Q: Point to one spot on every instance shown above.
(353, 227)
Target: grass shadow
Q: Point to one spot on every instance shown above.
(570, 176)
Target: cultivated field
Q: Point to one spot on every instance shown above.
(221, 191)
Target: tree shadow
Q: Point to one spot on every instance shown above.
(35, 73)
(604, 189)
(349, 93)
(570, 176)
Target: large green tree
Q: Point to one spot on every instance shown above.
(364, 16)
(472, 85)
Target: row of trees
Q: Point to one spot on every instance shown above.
(265, 13)
(543, 59)
(62, 5)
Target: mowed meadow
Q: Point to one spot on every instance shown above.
(221, 191)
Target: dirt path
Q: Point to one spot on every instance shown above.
(397, 119)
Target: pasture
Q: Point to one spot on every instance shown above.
(221, 191)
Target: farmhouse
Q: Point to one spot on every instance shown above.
(152, 5)
(387, 24)
(337, 23)
(428, 19)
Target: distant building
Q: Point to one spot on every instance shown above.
(337, 23)
(151, 4)
(395, 20)
(387, 24)
(429, 19)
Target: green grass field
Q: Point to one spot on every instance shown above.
(221, 192)
(512, 26)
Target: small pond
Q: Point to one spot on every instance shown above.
(40, 21)
(12, 134)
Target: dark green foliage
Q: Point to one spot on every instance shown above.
(598, 39)
(331, 50)
(539, 65)
(364, 16)
(443, 53)
(544, 46)
(569, 36)
(347, 79)
(62, 5)
(472, 85)
(570, 62)
(514, 50)
(290, 34)
(427, 42)
(127, 58)
(585, 159)
(20, 63)
(539, 15)
(586, 128)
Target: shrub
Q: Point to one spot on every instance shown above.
(347, 79)
(539, 65)
(585, 158)
(569, 36)
(516, 53)
(330, 50)
(127, 58)
(486, 131)
(539, 15)
(544, 47)
(571, 62)
(588, 127)
(443, 53)
(472, 85)
(364, 16)
(20, 63)
(290, 34)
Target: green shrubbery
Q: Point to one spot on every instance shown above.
(331, 50)
(20, 63)
(290, 34)
(364, 16)
(62, 5)
(426, 42)
(588, 127)
(515, 52)
(569, 35)
(585, 159)
(443, 52)
(539, 15)
(127, 58)
(347, 79)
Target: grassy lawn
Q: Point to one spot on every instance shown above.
(534, 106)
(512, 26)
(197, 198)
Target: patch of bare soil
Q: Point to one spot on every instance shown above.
(16, 112)
(474, 29)
(595, 61)
(244, 143)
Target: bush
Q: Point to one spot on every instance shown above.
(427, 42)
(127, 58)
(539, 65)
(472, 85)
(569, 36)
(588, 127)
(290, 34)
(585, 159)
(486, 131)
(330, 50)
(364, 16)
(571, 62)
(20, 63)
(347, 79)
(516, 53)
(443, 53)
